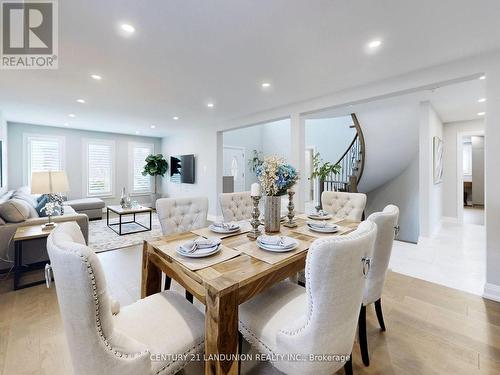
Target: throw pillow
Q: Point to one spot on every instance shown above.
(14, 211)
(40, 205)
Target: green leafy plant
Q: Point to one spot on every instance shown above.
(156, 165)
(255, 161)
(322, 170)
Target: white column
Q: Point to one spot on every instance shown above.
(492, 182)
(297, 129)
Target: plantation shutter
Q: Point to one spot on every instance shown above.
(99, 168)
(141, 184)
(45, 154)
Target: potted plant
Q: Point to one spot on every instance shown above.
(275, 177)
(321, 170)
(155, 166)
(255, 161)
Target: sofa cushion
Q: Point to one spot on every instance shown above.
(85, 204)
(5, 197)
(2, 222)
(14, 211)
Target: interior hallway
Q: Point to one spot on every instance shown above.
(454, 257)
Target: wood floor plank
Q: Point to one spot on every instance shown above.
(431, 329)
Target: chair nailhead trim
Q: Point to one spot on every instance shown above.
(105, 341)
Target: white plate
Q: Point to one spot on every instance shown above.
(292, 243)
(215, 229)
(325, 229)
(200, 253)
(319, 217)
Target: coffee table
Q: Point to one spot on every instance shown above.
(125, 212)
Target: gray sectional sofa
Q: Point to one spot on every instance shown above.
(17, 208)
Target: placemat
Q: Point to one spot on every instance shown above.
(194, 264)
(251, 248)
(245, 227)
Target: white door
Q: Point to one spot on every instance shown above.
(234, 165)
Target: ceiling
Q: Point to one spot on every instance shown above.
(186, 53)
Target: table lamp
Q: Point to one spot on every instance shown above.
(49, 182)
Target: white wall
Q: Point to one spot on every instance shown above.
(431, 195)
(330, 136)
(403, 192)
(203, 144)
(452, 164)
(74, 163)
(272, 138)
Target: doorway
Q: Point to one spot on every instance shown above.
(234, 165)
(470, 177)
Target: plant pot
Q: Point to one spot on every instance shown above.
(272, 214)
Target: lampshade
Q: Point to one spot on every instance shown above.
(49, 182)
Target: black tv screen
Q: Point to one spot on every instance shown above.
(182, 169)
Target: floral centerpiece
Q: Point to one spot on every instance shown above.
(275, 177)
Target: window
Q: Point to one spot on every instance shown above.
(99, 161)
(44, 153)
(138, 152)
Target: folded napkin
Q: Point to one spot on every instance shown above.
(320, 213)
(315, 224)
(226, 225)
(200, 243)
(272, 240)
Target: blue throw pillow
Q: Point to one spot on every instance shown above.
(41, 204)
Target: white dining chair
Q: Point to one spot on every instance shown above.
(177, 215)
(149, 336)
(344, 205)
(320, 318)
(236, 206)
(387, 228)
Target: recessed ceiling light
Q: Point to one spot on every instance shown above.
(481, 113)
(82, 101)
(374, 44)
(210, 105)
(481, 100)
(66, 124)
(175, 118)
(482, 77)
(97, 77)
(153, 126)
(72, 115)
(127, 28)
(265, 85)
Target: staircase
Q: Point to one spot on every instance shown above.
(352, 163)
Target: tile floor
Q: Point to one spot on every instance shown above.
(454, 257)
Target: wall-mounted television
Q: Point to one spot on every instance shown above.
(182, 169)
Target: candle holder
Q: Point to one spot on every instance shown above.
(291, 213)
(255, 232)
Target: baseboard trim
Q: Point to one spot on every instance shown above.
(492, 292)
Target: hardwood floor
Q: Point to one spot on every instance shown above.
(431, 329)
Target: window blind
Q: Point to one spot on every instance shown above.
(45, 154)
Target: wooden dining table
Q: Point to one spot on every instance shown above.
(223, 286)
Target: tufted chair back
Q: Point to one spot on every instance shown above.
(95, 346)
(344, 205)
(386, 221)
(178, 215)
(335, 274)
(236, 206)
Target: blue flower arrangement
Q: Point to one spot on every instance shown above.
(275, 176)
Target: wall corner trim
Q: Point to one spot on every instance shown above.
(491, 292)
